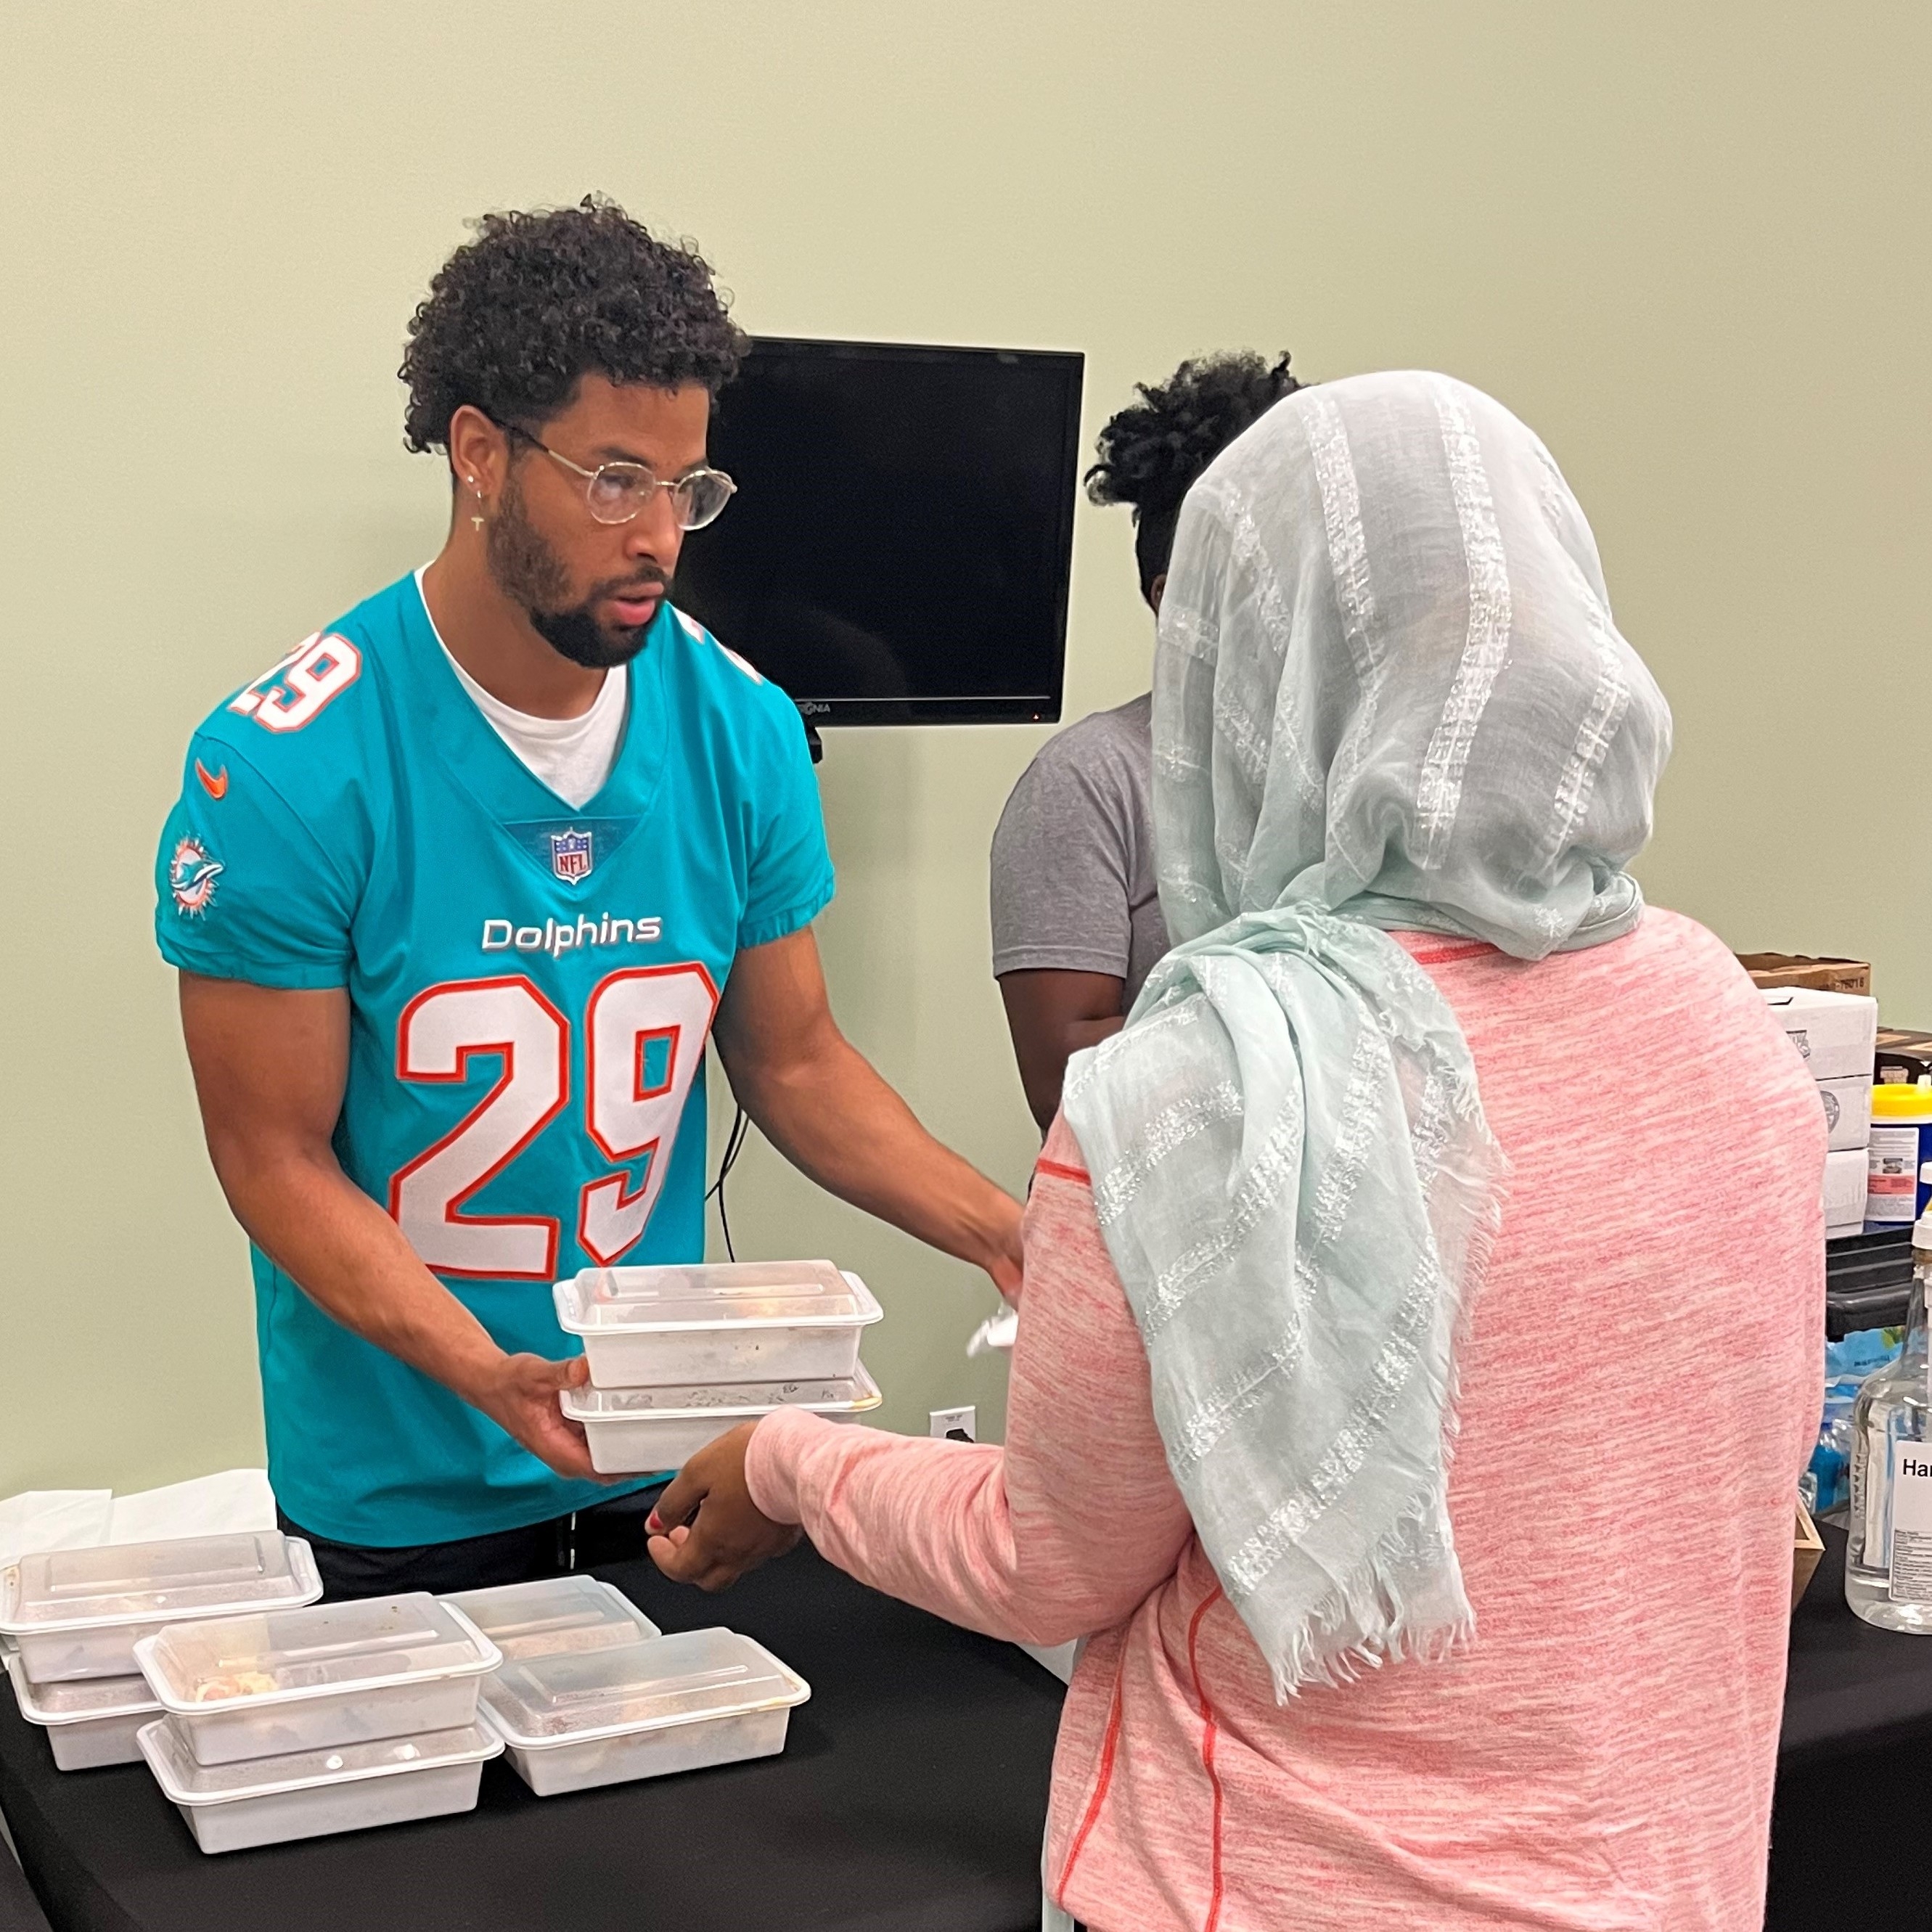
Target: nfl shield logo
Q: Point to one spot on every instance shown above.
(570, 856)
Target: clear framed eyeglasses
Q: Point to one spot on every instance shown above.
(618, 492)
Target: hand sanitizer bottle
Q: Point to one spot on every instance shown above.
(1888, 1559)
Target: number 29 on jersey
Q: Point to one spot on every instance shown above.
(644, 1030)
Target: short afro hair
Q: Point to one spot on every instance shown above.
(1152, 451)
(517, 316)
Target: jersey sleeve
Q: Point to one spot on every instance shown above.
(1061, 877)
(790, 880)
(243, 889)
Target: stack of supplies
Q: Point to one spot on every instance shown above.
(589, 1694)
(1836, 1035)
(74, 1618)
(679, 1356)
(285, 1724)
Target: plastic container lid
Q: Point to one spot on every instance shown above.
(538, 1701)
(147, 1582)
(281, 1657)
(714, 1295)
(556, 1615)
(588, 1404)
(186, 1783)
(1892, 1100)
(81, 1701)
(692, 1398)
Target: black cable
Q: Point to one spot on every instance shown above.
(734, 1145)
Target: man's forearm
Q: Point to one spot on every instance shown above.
(837, 1121)
(351, 1260)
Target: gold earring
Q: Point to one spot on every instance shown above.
(476, 522)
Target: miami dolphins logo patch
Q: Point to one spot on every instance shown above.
(191, 878)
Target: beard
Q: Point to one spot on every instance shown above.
(532, 576)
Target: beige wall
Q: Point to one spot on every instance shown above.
(1688, 243)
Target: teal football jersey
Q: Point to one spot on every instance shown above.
(531, 989)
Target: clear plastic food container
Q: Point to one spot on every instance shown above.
(673, 1703)
(253, 1686)
(556, 1615)
(89, 1722)
(79, 1613)
(738, 1321)
(630, 1432)
(311, 1793)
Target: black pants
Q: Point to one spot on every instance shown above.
(611, 1532)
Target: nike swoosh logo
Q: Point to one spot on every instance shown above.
(215, 784)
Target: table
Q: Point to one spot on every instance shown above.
(1852, 1687)
(20, 1912)
(911, 1798)
(1852, 1776)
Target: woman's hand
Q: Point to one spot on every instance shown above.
(706, 1529)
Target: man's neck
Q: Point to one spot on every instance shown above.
(492, 640)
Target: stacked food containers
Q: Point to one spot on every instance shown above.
(680, 1355)
(589, 1694)
(73, 1617)
(291, 1724)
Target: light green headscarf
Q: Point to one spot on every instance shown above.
(1388, 694)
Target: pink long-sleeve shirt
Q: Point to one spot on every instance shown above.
(1640, 1390)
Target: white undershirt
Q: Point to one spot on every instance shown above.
(573, 756)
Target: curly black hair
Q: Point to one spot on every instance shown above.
(514, 318)
(1151, 452)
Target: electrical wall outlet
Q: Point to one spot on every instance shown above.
(956, 1425)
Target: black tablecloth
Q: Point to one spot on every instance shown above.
(20, 1912)
(1852, 1687)
(910, 1798)
(1854, 1773)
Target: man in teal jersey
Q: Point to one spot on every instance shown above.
(459, 890)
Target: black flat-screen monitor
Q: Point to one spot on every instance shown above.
(898, 550)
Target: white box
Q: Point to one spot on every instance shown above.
(638, 1431)
(1845, 1174)
(1835, 1033)
(1847, 1113)
(716, 1322)
(231, 1807)
(240, 1688)
(90, 1722)
(78, 1613)
(684, 1702)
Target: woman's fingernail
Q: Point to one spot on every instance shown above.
(654, 1523)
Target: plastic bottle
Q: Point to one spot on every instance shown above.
(1888, 1552)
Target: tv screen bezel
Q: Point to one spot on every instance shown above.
(1020, 708)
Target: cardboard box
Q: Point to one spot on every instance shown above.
(1836, 1033)
(1903, 1055)
(1800, 969)
(1848, 1113)
(1807, 1547)
(1845, 1174)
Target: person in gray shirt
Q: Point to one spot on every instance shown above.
(1077, 924)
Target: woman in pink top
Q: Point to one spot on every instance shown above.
(1419, 1339)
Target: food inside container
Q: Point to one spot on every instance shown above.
(671, 1703)
(335, 1674)
(717, 1322)
(629, 1433)
(553, 1615)
(78, 1613)
(89, 1722)
(308, 1794)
